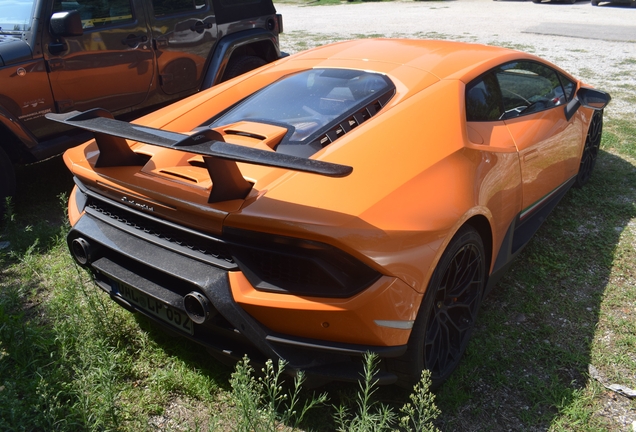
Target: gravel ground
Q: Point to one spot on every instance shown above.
(597, 44)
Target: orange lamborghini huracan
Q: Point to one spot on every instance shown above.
(361, 196)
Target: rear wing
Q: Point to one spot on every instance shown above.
(219, 157)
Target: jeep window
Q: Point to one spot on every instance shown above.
(528, 87)
(15, 15)
(97, 13)
(171, 7)
(309, 103)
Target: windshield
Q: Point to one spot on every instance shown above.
(15, 15)
(309, 102)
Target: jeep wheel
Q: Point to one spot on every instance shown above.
(239, 65)
(7, 179)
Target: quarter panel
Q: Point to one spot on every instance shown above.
(341, 320)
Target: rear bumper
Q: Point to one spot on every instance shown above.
(118, 258)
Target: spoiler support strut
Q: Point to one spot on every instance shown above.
(220, 157)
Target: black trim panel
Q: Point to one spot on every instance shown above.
(521, 230)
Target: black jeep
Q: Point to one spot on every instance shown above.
(127, 56)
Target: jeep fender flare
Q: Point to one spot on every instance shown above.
(226, 47)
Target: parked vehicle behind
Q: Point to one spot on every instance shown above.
(126, 56)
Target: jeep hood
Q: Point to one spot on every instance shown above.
(13, 50)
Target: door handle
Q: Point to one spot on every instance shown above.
(132, 40)
(200, 26)
(532, 154)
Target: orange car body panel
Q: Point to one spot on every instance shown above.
(411, 189)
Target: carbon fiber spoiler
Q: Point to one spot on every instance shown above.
(219, 157)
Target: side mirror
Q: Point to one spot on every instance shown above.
(589, 98)
(67, 23)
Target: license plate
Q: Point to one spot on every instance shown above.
(174, 317)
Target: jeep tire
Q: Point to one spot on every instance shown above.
(7, 179)
(239, 65)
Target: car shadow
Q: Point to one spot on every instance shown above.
(37, 212)
(529, 356)
(40, 184)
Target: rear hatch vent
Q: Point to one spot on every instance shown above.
(352, 121)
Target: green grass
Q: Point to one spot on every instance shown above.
(628, 61)
(514, 46)
(71, 359)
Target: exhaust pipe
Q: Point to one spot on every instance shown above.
(197, 306)
(81, 251)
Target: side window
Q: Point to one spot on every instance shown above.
(528, 87)
(483, 99)
(568, 87)
(171, 7)
(97, 13)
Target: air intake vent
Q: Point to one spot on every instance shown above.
(353, 121)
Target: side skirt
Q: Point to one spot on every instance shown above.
(522, 229)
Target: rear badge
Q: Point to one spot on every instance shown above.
(137, 204)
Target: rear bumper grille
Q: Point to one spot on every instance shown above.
(171, 236)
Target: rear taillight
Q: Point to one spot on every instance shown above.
(295, 266)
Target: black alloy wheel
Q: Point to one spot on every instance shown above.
(452, 315)
(590, 151)
(448, 312)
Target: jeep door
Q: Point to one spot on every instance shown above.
(184, 33)
(110, 65)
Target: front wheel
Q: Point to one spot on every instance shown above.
(590, 151)
(7, 179)
(448, 312)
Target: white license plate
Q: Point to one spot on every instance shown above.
(161, 310)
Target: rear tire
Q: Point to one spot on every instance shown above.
(7, 180)
(448, 312)
(595, 3)
(590, 151)
(239, 65)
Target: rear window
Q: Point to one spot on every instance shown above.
(309, 103)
